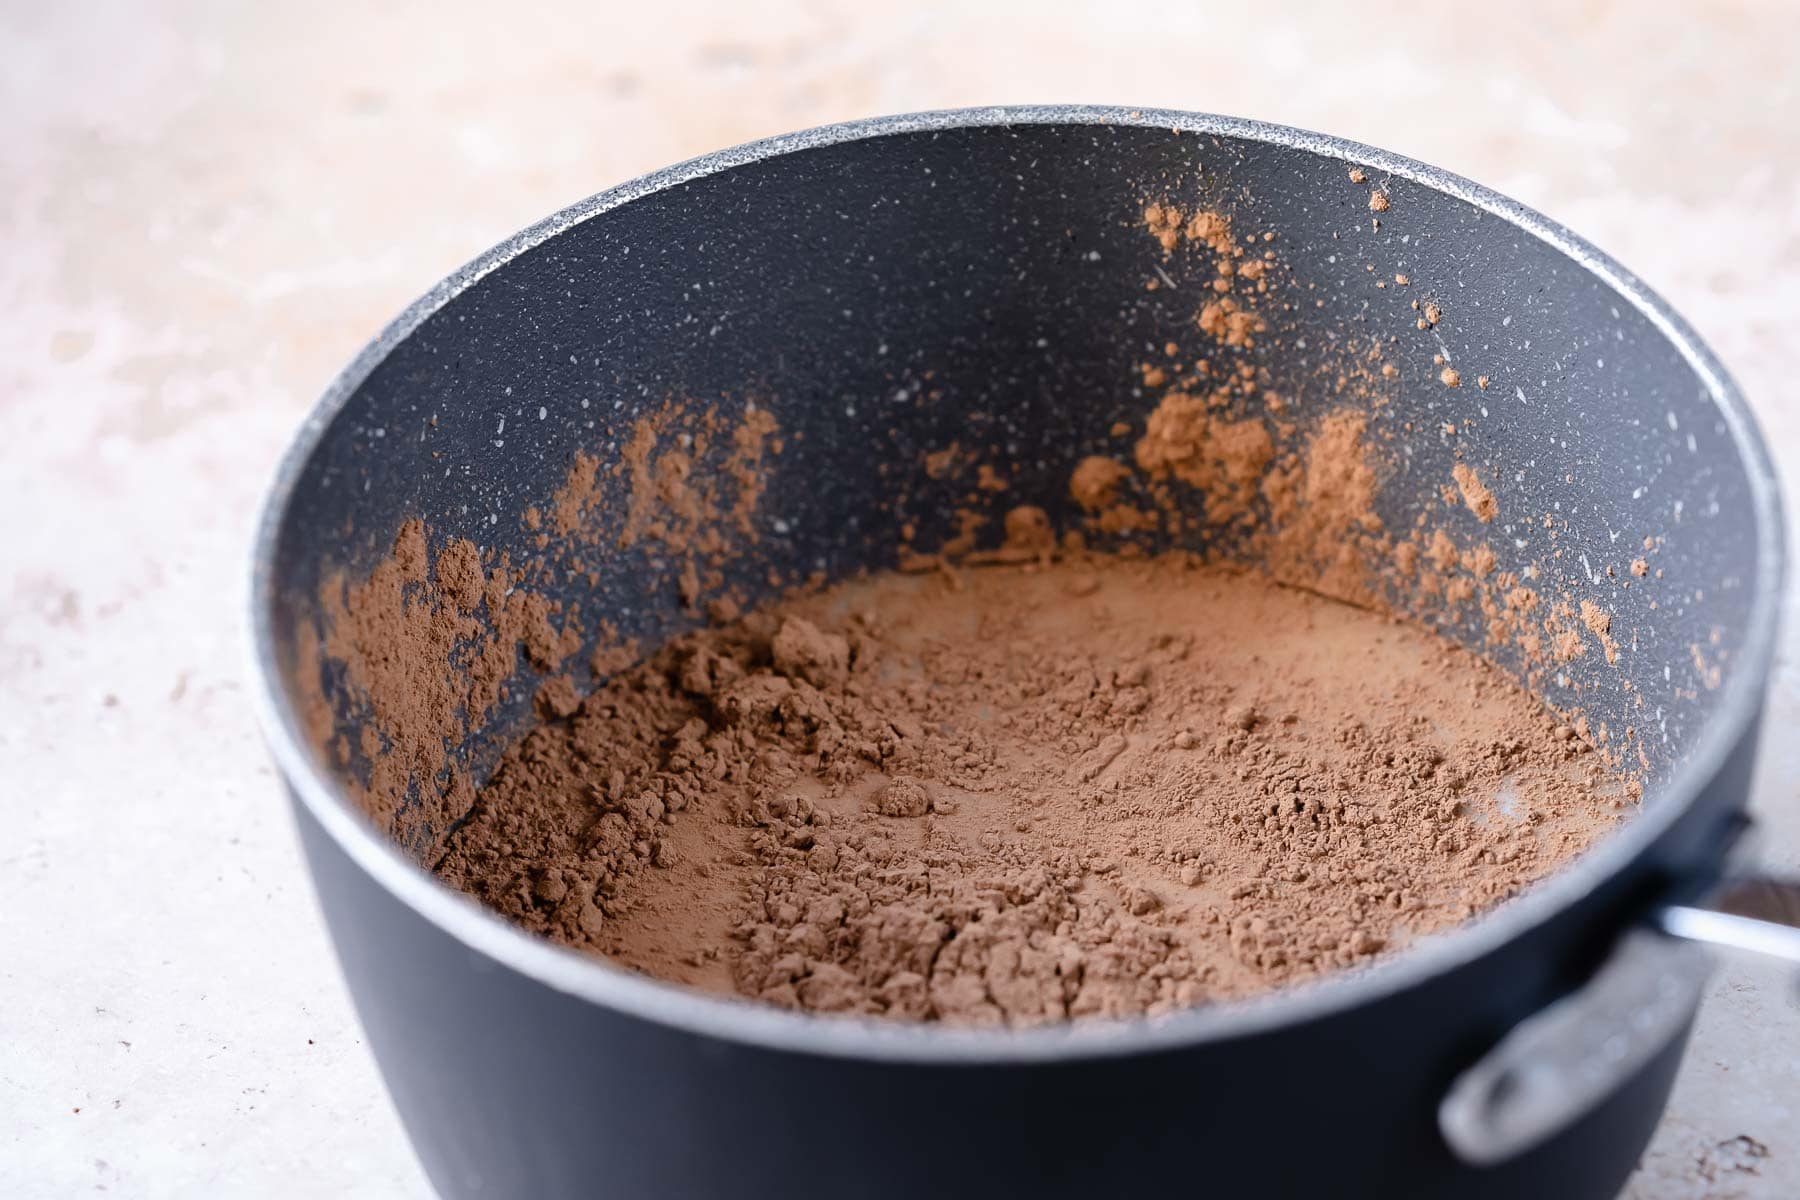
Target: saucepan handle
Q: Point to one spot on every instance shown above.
(1558, 1064)
(1750, 912)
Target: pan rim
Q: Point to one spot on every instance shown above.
(744, 1021)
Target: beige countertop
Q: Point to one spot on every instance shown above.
(206, 209)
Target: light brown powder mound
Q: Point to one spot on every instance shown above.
(1020, 794)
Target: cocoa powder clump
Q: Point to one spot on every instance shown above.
(1475, 494)
(1223, 458)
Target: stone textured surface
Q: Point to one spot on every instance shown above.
(206, 208)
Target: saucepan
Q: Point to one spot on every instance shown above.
(1001, 255)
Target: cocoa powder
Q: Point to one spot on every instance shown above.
(1029, 793)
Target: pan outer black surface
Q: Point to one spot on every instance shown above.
(998, 257)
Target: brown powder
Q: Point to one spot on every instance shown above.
(1564, 631)
(1313, 522)
(1224, 320)
(1164, 222)
(1225, 459)
(754, 436)
(1229, 319)
(1213, 231)
(941, 464)
(459, 575)
(569, 506)
(1475, 494)
(1311, 519)
(1093, 787)
(427, 649)
(695, 480)
(1599, 623)
(1321, 505)
(1094, 484)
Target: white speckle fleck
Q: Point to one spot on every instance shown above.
(779, 525)
(1692, 445)
(1637, 493)
(1673, 423)
(1520, 393)
(542, 412)
(499, 442)
(502, 428)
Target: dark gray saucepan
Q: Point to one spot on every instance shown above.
(1002, 251)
